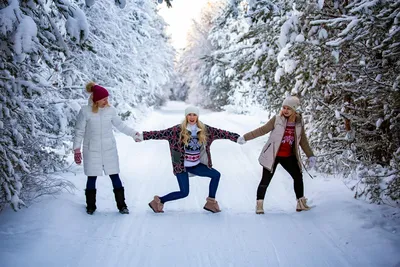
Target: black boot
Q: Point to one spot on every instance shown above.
(120, 199)
(90, 200)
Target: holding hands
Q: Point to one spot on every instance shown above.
(138, 137)
(78, 156)
(241, 140)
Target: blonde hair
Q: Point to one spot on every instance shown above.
(89, 89)
(184, 136)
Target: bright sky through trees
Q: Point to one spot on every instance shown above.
(179, 18)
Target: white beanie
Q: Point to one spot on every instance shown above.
(191, 109)
(291, 101)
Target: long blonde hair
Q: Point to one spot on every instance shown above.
(185, 136)
(89, 89)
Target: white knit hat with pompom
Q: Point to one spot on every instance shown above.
(292, 101)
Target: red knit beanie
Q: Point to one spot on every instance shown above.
(99, 93)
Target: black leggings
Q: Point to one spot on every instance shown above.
(291, 165)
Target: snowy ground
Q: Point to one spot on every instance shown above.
(339, 231)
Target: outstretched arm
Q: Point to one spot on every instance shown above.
(269, 126)
(165, 134)
(215, 133)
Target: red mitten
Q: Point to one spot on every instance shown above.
(78, 156)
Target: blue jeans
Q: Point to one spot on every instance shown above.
(116, 181)
(183, 181)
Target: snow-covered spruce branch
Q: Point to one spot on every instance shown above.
(382, 176)
(223, 52)
(55, 29)
(58, 102)
(43, 134)
(375, 81)
(332, 153)
(383, 86)
(340, 113)
(49, 45)
(371, 110)
(332, 22)
(364, 123)
(344, 139)
(371, 148)
(370, 188)
(324, 13)
(46, 103)
(388, 41)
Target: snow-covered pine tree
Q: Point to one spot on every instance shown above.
(129, 55)
(364, 95)
(342, 59)
(256, 53)
(30, 106)
(313, 68)
(252, 51)
(226, 30)
(41, 69)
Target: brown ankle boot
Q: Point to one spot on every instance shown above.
(212, 205)
(156, 205)
(259, 206)
(302, 204)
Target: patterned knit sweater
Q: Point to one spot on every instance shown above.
(286, 147)
(177, 147)
(192, 149)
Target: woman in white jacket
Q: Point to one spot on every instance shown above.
(100, 155)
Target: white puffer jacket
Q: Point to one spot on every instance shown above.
(99, 146)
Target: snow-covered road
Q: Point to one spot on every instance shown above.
(338, 231)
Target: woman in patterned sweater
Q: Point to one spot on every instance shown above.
(189, 144)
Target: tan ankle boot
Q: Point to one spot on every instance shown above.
(156, 205)
(259, 206)
(302, 204)
(212, 205)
